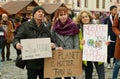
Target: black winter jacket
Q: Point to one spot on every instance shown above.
(29, 30)
(2, 37)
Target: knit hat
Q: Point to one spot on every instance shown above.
(4, 15)
(36, 9)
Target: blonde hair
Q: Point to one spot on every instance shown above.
(79, 16)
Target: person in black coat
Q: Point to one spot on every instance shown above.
(2, 36)
(2, 39)
(33, 29)
(17, 24)
(111, 36)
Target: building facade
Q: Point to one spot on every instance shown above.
(77, 5)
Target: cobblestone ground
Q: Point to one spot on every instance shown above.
(10, 71)
(108, 74)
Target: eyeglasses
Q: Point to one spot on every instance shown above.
(84, 17)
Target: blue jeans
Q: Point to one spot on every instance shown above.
(0, 60)
(116, 69)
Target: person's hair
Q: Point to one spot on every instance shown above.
(97, 16)
(79, 16)
(112, 7)
(59, 10)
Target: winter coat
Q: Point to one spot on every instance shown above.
(9, 33)
(67, 42)
(29, 30)
(117, 32)
(2, 37)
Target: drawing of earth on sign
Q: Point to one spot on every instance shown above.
(90, 42)
(98, 42)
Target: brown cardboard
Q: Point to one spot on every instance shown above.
(63, 63)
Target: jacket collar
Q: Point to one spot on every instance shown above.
(34, 25)
(111, 18)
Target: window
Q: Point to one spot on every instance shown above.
(78, 3)
(86, 3)
(58, 1)
(2, 0)
(66, 1)
(47, 1)
(38, 0)
(103, 4)
(54, 1)
(117, 1)
(97, 3)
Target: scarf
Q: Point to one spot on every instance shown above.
(69, 28)
(5, 22)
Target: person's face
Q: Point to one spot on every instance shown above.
(114, 11)
(5, 18)
(39, 15)
(63, 17)
(85, 18)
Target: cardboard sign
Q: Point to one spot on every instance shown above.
(36, 48)
(64, 63)
(95, 37)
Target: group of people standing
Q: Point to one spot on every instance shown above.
(65, 34)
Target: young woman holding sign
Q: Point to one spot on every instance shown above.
(85, 17)
(65, 31)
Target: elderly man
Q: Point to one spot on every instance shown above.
(33, 29)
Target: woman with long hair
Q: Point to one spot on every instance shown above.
(65, 31)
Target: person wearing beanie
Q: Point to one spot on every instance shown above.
(4, 15)
(33, 29)
(36, 9)
(8, 27)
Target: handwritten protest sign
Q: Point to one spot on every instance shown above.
(36, 48)
(64, 63)
(95, 37)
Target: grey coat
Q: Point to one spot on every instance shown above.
(67, 42)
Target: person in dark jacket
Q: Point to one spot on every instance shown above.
(33, 29)
(112, 37)
(2, 39)
(17, 24)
